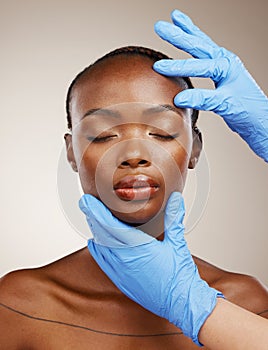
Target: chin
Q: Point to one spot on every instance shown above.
(151, 223)
(134, 219)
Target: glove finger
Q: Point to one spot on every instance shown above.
(181, 20)
(201, 99)
(197, 47)
(174, 215)
(112, 266)
(104, 258)
(107, 230)
(215, 69)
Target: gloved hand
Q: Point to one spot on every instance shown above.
(237, 97)
(159, 275)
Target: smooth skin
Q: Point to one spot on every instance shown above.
(231, 327)
(74, 290)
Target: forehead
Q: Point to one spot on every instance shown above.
(118, 80)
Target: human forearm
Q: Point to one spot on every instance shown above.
(231, 327)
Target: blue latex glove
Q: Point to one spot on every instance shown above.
(237, 97)
(159, 275)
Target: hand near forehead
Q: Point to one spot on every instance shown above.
(236, 97)
(161, 276)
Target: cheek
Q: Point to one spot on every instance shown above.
(96, 170)
(182, 161)
(87, 160)
(174, 171)
(174, 165)
(86, 173)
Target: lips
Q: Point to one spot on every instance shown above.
(136, 187)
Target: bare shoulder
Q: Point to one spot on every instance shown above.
(241, 289)
(28, 287)
(245, 291)
(17, 285)
(17, 292)
(28, 296)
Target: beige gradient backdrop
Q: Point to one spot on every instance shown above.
(43, 45)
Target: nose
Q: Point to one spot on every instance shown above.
(135, 153)
(134, 163)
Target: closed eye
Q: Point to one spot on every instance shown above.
(101, 139)
(164, 137)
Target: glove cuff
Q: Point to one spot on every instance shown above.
(201, 301)
(207, 309)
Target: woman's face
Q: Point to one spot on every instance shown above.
(131, 146)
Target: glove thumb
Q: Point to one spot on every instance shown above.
(107, 230)
(174, 215)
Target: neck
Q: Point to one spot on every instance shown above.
(154, 227)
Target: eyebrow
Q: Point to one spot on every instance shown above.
(149, 111)
(103, 111)
(162, 108)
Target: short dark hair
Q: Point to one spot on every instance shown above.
(126, 51)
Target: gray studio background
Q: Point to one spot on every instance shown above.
(43, 45)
